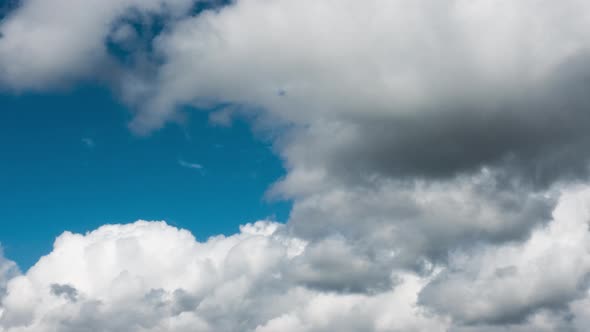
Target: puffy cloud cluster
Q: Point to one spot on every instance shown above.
(426, 144)
(49, 43)
(507, 283)
(394, 88)
(148, 276)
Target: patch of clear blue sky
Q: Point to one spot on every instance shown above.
(69, 162)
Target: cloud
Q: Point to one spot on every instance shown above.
(190, 165)
(506, 284)
(48, 44)
(417, 224)
(415, 89)
(411, 127)
(88, 142)
(149, 276)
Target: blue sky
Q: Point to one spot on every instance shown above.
(69, 162)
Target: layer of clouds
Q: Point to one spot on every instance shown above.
(149, 276)
(153, 277)
(506, 284)
(394, 88)
(426, 144)
(416, 224)
(416, 128)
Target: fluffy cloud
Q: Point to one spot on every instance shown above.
(507, 283)
(153, 277)
(414, 127)
(148, 276)
(48, 43)
(394, 88)
(420, 222)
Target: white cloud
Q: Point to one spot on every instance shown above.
(414, 127)
(339, 58)
(153, 277)
(149, 276)
(509, 282)
(187, 164)
(49, 43)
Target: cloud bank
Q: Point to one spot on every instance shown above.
(436, 157)
(149, 276)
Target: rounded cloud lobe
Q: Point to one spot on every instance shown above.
(44, 44)
(426, 145)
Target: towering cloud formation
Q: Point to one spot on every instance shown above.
(426, 144)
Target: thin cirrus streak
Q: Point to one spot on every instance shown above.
(190, 165)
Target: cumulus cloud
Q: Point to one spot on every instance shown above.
(48, 43)
(415, 128)
(506, 284)
(149, 276)
(426, 144)
(413, 225)
(395, 88)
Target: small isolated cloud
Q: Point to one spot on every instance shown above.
(88, 142)
(190, 165)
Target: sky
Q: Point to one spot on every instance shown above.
(70, 163)
(294, 165)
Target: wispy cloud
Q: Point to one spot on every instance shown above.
(89, 142)
(190, 165)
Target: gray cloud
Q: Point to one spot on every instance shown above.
(509, 283)
(539, 135)
(333, 265)
(66, 291)
(416, 224)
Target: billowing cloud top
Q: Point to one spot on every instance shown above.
(436, 156)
